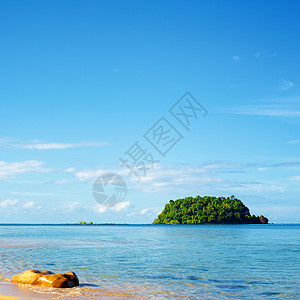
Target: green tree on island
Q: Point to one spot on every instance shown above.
(207, 210)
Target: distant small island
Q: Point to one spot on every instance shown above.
(208, 210)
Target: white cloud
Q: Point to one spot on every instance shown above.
(256, 187)
(73, 206)
(35, 194)
(258, 54)
(236, 58)
(146, 211)
(160, 183)
(8, 202)
(262, 169)
(121, 206)
(293, 142)
(28, 204)
(267, 110)
(179, 179)
(101, 209)
(4, 141)
(62, 181)
(288, 107)
(285, 85)
(295, 178)
(87, 175)
(38, 145)
(70, 170)
(208, 178)
(55, 146)
(9, 169)
(92, 174)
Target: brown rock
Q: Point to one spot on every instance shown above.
(47, 278)
(263, 220)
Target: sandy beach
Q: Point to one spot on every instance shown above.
(5, 289)
(10, 291)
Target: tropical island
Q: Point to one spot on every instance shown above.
(208, 210)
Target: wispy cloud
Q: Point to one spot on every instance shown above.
(161, 178)
(70, 170)
(147, 211)
(87, 174)
(8, 203)
(293, 142)
(257, 54)
(7, 142)
(285, 85)
(10, 169)
(295, 179)
(207, 178)
(73, 206)
(36, 194)
(266, 110)
(121, 206)
(167, 177)
(63, 181)
(236, 58)
(284, 164)
(56, 146)
(254, 187)
(28, 204)
(289, 107)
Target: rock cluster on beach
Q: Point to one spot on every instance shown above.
(47, 278)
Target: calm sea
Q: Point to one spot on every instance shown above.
(160, 261)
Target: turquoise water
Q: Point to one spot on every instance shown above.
(162, 261)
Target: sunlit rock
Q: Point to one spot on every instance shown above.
(47, 278)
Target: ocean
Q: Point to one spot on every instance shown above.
(159, 261)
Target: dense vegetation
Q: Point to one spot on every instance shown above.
(207, 210)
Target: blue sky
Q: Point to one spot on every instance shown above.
(82, 81)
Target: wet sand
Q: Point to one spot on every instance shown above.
(10, 291)
(3, 297)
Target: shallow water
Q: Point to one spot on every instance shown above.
(160, 261)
